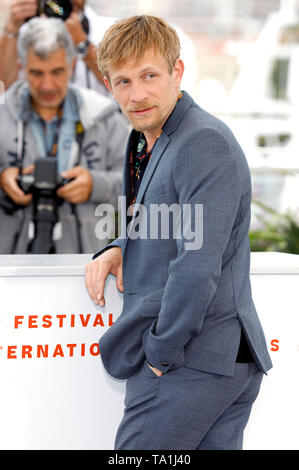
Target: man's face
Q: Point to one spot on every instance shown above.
(146, 91)
(48, 79)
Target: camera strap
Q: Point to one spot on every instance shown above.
(53, 152)
(79, 139)
(21, 143)
(21, 128)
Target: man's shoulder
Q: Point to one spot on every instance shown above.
(12, 100)
(88, 94)
(92, 105)
(189, 118)
(204, 120)
(198, 122)
(199, 127)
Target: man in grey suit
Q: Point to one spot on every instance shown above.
(188, 340)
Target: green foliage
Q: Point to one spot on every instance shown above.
(277, 232)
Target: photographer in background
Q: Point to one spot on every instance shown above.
(46, 117)
(84, 25)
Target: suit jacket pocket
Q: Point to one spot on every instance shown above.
(152, 303)
(152, 306)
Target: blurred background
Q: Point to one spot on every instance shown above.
(242, 65)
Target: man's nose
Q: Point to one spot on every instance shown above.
(138, 93)
(47, 82)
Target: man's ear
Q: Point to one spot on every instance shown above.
(107, 83)
(178, 71)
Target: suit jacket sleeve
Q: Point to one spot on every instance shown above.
(118, 242)
(205, 172)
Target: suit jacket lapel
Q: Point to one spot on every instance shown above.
(126, 173)
(158, 150)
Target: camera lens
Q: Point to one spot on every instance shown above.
(58, 8)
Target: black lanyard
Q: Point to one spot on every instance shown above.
(53, 152)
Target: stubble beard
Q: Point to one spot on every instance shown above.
(148, 127)
(139, 126)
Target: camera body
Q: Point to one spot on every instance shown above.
(45, 180)
(43, 185)
(55, 8)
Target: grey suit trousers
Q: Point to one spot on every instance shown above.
(187, 409)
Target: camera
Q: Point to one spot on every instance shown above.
(55, 8)
(43, 184)
(59, 9)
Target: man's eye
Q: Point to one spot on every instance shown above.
(149, 76)
(122, 82)
(58, 72)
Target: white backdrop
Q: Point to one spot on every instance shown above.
(60, 402)
(55, 393)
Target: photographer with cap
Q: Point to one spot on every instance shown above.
(84, 25)
(45, 119)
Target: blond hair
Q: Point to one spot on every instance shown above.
(129, 38)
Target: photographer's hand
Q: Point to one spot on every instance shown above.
(20, 11)
(75, 28)
(8, 182)
(80, 188)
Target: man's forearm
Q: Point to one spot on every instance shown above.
(8, 60)
(91, 61)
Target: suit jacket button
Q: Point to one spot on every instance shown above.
(164, 364)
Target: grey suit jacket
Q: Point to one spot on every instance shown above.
(184, 303)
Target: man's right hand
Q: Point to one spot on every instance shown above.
(8, 182)
(20, 10)
(97, 271)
